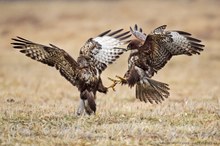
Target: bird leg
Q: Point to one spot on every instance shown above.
(121, 79)
(115, 82)
(81, 107)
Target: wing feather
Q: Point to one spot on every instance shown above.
(149, 53)
(162, 45)
(105, 48)
(52, 56)
(138, 33)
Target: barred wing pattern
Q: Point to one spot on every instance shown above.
(84, 73)
(161, 45)
(105, 48)
(177, 42)
(52, 56)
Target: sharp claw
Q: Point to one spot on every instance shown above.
(111, 79)
(115, 82)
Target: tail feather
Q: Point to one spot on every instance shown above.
(149, 90)
(139, 93)
(162, 88)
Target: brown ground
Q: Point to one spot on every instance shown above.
(37, 105)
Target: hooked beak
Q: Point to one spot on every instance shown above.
(129, 47)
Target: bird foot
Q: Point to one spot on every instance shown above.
(120, 80)
(115, 82)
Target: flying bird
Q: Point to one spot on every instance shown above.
(84, 73)
(150, 53)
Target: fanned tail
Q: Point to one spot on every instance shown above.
(149, 90)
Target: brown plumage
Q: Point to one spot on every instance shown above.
(150, 53)
(84, 73)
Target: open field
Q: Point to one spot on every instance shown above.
(37, 105)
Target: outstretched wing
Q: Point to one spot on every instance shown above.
(105, 48)
(52, 56)
(176, 42)
(161, 45)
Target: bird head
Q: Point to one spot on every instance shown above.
(134, 44)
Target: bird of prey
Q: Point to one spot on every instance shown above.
(150, 53)
(84, 73)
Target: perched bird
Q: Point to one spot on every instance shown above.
(150, 53)
(84, 73)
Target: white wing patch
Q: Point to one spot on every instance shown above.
(108, 42)
(179, 39)
(107, 48)
(178, 44)
(182, 43)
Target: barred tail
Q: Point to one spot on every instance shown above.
(149, 90)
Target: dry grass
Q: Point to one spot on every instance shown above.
(37, 105)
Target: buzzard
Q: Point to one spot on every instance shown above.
(84, 73)
(150, 53)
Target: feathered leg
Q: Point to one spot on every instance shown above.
(90, 105)
(102, 88)
(87, 103)
(81, 107)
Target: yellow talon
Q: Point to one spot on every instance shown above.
(115, 82)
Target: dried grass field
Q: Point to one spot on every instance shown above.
(37, 105)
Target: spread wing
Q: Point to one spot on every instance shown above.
(176, 42)
(161, 45)
(105, 48)
(52, 56)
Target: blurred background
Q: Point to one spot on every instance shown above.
(37, 104)
(68, 24)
